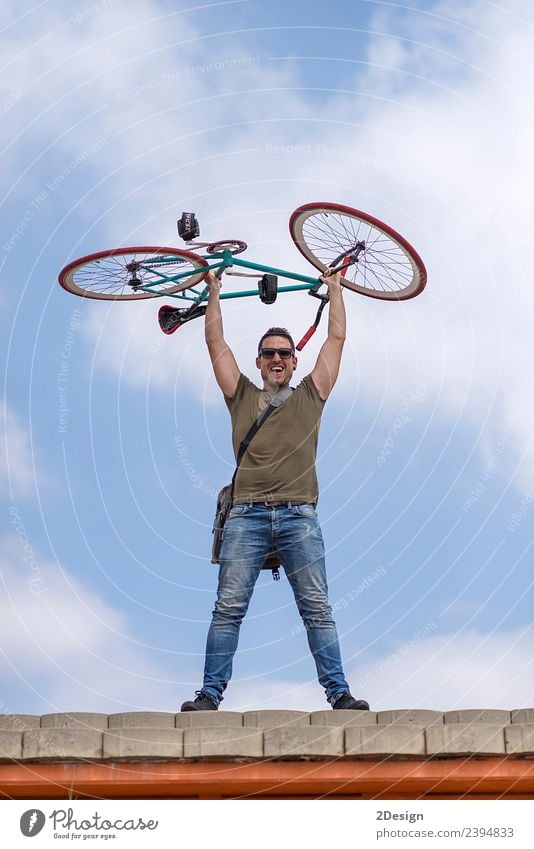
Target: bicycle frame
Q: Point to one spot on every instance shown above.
(224, 260)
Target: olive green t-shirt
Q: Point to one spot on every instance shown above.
(279, 463)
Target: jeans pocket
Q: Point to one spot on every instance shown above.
(307, 510)
(237, 510)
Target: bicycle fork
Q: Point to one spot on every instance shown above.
(352, 257)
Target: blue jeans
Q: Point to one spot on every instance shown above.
(251, 532)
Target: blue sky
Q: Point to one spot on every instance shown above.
(115, 119)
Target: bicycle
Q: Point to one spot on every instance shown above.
(374, 260)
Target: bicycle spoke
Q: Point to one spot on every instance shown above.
(386, 266)
(120, 274)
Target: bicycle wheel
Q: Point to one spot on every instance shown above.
(115, 275)
(384, 265)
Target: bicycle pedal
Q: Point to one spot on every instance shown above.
(268, 288)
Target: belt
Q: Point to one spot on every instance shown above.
(278, 503)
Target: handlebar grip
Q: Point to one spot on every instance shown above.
(306, 338)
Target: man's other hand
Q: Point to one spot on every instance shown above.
(331, 278)
(213, 281)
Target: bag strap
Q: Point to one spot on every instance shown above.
(276, 401)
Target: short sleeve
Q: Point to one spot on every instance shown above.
(242, 385)
(308, 386)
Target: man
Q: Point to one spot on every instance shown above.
(274, 497)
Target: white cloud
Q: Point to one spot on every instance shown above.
(64, 645)
(16, 468)
(251, 694)
(453, 671)
(446, 672)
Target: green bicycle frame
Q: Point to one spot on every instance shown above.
(224, 260)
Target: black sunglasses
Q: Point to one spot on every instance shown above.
(283, 353)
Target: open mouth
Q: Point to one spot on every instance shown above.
(277, 369)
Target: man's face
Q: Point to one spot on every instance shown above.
(276, 371)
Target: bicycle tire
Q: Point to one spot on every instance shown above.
(104, 275)
(388, 268)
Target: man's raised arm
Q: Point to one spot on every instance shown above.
(326, 369)
(223, 361)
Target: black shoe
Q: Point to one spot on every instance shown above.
(202, 702)
(348, 702)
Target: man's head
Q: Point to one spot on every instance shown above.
(276, 358)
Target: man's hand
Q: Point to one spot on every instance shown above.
(331, 278)
(213, 281)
